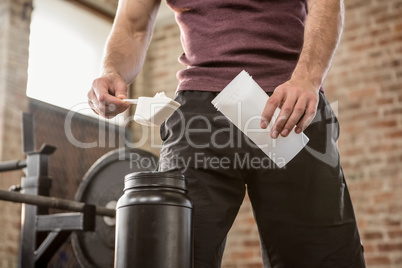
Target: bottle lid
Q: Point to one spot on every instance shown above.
(170, 179)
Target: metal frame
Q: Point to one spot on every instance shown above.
(43, 234)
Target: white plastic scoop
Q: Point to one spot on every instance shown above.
(153, 111)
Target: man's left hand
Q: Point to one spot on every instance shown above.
(297, 101)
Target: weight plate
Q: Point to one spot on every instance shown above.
(102, 185)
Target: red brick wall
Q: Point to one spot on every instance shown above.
(366, 80)
(14, 40)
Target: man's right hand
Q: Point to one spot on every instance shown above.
(106, 94)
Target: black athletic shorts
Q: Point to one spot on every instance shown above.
(303, 210)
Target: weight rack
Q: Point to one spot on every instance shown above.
(42, 233)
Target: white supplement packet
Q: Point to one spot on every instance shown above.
(242, 101)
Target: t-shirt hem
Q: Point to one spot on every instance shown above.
(196, 87)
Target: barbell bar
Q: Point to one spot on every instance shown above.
(12, 165)
(52, 202)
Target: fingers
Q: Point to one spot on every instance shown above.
(270, 107)
(297, 113)
(106, 94)
(285, 113)
(93, 101)
(297, 106)
(307, 118)
(109, 106)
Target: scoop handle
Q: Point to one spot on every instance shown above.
(132, 101)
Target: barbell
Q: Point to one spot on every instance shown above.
(101, 186)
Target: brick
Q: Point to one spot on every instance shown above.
(385, 124)
(384, 148)
(393, 222)
(383, 172)
(379, 260)
(372, 235)
(394, 159)
(395, 234)
(251, 243)
(369, 247)
(366, 186)
(353, 152)
(361, 114)
(395, 208)
(349, 105)
(246, 254)
(384, 197)
(362, 46)
(352, 5)
(226, 265)
(397, 134)
(384, 100)
(253, 265)
(387, 18)
(390, 247)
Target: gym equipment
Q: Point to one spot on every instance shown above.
(52, 202)
(103, 185)
(92, 219)
(153, 222)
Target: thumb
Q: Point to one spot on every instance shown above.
(121, 89)
(121, 96)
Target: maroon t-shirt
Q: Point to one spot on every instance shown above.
(220, 38)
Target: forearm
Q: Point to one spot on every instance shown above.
(130, 37)
(125, 54)
(323, 30)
